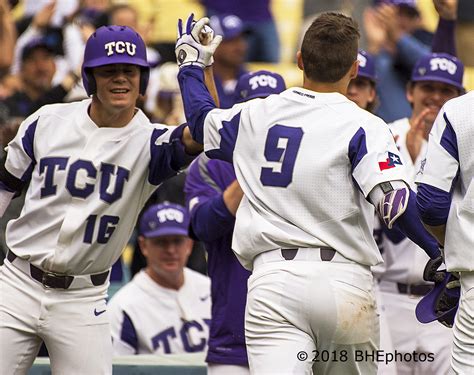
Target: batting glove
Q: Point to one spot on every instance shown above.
(196, 45)
(431, 272)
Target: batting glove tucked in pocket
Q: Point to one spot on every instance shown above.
(196, 45)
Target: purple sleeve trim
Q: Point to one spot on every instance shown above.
(167, 158)
(449, 140)
(357, 150)
(128, 333)
(433, 204)
(196, 99)
(444, 37)
(409, 223)
(229, 133)
(28, 145)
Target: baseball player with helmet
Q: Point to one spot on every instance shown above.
(166, 308)
(446, 204)
(213, 195)
(312, 166)
(89, 166)
(436, 78)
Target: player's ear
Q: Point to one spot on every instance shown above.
(354, 69)
(141, 244)
(409, 92)
(299, 60)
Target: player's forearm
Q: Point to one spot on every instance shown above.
(410, 224)
(212, 220)
(444, 37)
(196, 99)
(5, 199)
(232, 197)
(191, 147)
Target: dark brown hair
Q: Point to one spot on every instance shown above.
(330, 47)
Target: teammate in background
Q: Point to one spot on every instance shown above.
(308, 161)
(89, 167)
(446, 205)
(166, 308)
(361, 90)
(213, 195)
(436, 78)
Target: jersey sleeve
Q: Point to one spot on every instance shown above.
(167, 152)
(221, 128)
(20, 159)
(374, 156)
(204, 187)
(441, 155)
(124, 335)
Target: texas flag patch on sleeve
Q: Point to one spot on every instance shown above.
(391, 161)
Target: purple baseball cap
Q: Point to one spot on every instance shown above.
(366, 66)
(439, 67)
(34, 44)
(407, 3)
(227, 25)
(258, 84)
(165, 219)
(426, 309)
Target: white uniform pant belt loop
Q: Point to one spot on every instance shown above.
(57, 281)
(315, 254)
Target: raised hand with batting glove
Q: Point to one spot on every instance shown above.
(196, 44)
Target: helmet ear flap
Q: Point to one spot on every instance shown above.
(88, 81)
(144, 77)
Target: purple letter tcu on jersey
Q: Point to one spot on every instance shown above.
(49, 165)
(106, 171)
(274, 153)
(163, 337)
(71, 178)
(184, 333)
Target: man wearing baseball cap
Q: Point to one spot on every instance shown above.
(436, 78)
(166, 308)
(229, 57)
(361, 89)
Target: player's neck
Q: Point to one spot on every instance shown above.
(169, 281)
(104, 117)
(324, 87)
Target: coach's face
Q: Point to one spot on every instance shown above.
(166, 255)
(429, 95)
(117, 86)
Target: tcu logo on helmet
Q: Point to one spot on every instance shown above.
(443, 64)
(120, 47)
(170, 214)
(262, 80)
(362, 60)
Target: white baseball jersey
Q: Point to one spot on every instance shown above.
(306, 162)
(87, 185)
(405, 260)
(147, 318)
(454, 173)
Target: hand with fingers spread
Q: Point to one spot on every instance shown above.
(417, 134)
(196, 44)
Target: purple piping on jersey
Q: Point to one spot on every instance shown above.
(228, 132)
(128, 333)
(196, 99)
(449, 140)
(28, 145)
(433, 204)
(409, 224)
(6, 188)
(357, 150)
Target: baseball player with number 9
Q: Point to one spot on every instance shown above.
(312, 166)
(90, 166)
